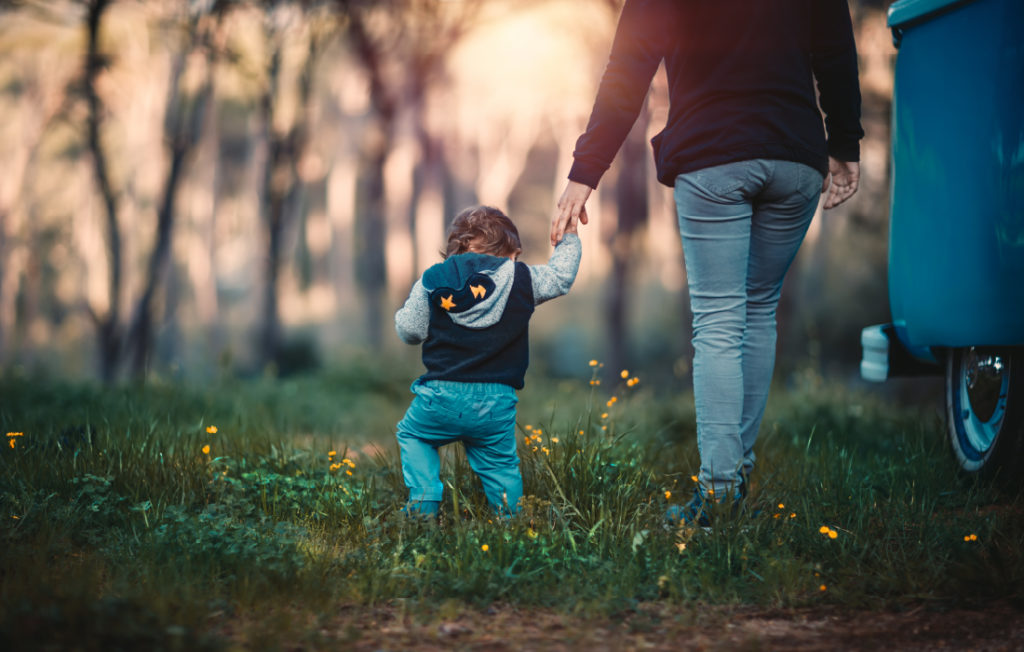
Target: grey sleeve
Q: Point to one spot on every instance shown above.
(413, 319)
(555, 278)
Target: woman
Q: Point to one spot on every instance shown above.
(746, 152)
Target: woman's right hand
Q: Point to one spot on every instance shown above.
(841, 182)
(571, 208)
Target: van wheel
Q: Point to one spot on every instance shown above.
(985, 411)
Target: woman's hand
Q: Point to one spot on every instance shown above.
(845, 177)
(571, 209)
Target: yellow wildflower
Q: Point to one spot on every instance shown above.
(593, 363)
(792, 514)
(668, 494)
(693, 477)
(485, 547)
(624, 374)
(332, 454)
(832, 534)
(546, 450)
(782, 506)
(530, 532)
(971, 537)
(823, 529)
(211, 430)
(554, 440)
(604, 415)
(206, 449)
(527, 427)
(822, 587)
(681, 546)
(348, 472)
(334, 467)
(12, 443)
(581, 432)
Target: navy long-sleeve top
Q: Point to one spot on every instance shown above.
(741, 79)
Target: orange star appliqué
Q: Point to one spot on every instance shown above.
(479, 291)
(447, 303)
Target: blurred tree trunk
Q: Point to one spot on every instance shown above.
(282, 185)
(183, 125)
(40, 106)
(108, 325)
(181, 141)
(429, 173)
(402, 46)
(370, 230)
(275, 186)
(370, 225)
(632, 210)
(10, 253)
(370, 222)
(202, 265)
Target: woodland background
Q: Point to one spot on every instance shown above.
(228, 200)
(207, 187)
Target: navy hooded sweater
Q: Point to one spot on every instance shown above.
(472, 313)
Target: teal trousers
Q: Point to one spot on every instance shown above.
(482, 416)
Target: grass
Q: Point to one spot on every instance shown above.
(120, 528)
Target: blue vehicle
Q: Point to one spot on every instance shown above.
(956, 240)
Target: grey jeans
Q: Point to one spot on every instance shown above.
(741, 225)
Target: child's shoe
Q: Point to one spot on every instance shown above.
(421, 510)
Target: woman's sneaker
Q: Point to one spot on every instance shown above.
(701, 510)
(693, 513)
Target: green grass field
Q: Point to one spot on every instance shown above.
(176, 517)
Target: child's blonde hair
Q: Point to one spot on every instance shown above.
(484, 230)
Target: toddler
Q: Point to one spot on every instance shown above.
(471, 313)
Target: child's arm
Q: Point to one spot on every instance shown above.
(413, 319)
(555, 278)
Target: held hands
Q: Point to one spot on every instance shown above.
(571, 210)
(845, 177)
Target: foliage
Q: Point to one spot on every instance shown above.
(150, 516)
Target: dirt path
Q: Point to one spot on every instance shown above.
(998, 626)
